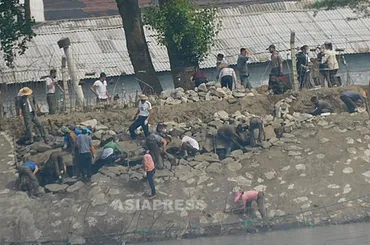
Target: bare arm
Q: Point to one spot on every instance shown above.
(164, 142)
(36, 170)
(92, 88)
(51, 84)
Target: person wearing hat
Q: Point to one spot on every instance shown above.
(141, 117)
(276, 62)
(99, 88)
(248, 197)
(50, 91)
(354, 100)
(27, 112)
(331, 62)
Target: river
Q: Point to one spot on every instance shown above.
(351, 234)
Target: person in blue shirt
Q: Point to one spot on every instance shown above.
(70, 135)
(27, 178)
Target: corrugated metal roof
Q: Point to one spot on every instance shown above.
(99, 44)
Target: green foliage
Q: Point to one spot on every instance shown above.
(181, 25)
(360, 5)
(15, 30)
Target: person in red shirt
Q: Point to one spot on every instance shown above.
(198, 77)
(248, 197)
(150, 171)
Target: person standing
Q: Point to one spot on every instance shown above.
(85, 154)
(248, 197)
(330, 60)
(302, 67)
(242, 66)
(27, 112)
(50, 91)
(99, 88)
(150, 171)
(276, 62)
(227, 77)
(141, 117)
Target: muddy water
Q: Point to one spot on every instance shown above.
(353, 234)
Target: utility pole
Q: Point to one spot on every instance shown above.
(67, 100)
(294, 60)
(65, 44)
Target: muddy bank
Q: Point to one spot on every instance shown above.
(313, 175)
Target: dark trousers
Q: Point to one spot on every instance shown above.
(260, 203)
(150, 177)
(28, 181)
(303, 78)
(244, 80)
(137, 123)
(333, 81)
(153, 147)
(30, 118)
(253, 126)
(114, 157)
(53, 166)
(52, 103)
(84, 163)
(351, 106)
(199, 81)
(227, 81)
(187, 148)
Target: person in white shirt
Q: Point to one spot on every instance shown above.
(189, 146)
(50, 91)
(141, 117)
(227, 77)
(99, 88)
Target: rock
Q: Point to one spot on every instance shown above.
(78, 185)
(40, 147)
(347, 189)
(222, 115)
(76, 240)
(300, 166)
(101, 127)
(347, 170)
(202, 179)
(333, 186)
(266, 144)
(270, 175)
(207, 157)
(350, 140)
(324, 140)
(338, 130)
(202, 87)
(320, 156)
(294, 153)
(90, 123)
(366, 174)
(351, 150)
(99, 199)
(220, 93)
(238, 94)
(118, 128)
(163, 173)
(286, 135)
(269, 132)
(55, 188)
(98, 134)
(240, 180)
(234, 166)
(215, 168)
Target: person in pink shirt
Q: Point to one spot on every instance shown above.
(248, 197)
(150, 171)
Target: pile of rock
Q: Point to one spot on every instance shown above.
(205, 92)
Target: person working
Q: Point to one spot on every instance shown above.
(157, 145)
(112, 152)
(233, 135)
(142, 116)
(248, 197)
(189, 146)
(198, 77)
(321, 106)
(27, 178)
(227, 77)
(256, 123)
(353, 100)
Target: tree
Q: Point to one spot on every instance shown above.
(137, 46)
(188, 33)
(15, 29)
(361, 6)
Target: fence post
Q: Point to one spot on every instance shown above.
(294, 60)
(67, 99)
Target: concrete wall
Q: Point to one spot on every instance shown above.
(127, 86)
(37, 9)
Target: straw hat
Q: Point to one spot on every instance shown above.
(143, 97)
(25, 91)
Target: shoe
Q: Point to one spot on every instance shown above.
(152, 197)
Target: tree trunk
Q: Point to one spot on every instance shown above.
(27, 9)
(137, 46)
(180, 66)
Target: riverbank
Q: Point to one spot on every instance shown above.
(318, 165)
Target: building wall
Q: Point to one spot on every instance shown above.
(127, 87)
(37, 9)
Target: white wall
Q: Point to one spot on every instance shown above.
(37, 9)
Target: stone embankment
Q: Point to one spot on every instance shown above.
(306, 163)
